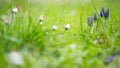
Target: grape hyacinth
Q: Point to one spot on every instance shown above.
(102, 11)
(90, 21)
(110, 59)
(106, 14)
(95, 17)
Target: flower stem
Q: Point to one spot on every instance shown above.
(81, 18)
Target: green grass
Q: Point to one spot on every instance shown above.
(41, 47)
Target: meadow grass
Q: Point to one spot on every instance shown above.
(81, 46)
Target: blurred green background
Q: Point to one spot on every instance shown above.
(25, 43)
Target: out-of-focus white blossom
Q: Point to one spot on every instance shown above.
(54, 27)
(67, 26)
(15, 10)
(7, 20)
(16, 58)
(41, 18)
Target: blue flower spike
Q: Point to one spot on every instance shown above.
(95, 17)
(90, 21)
(102, 11)
(106, 14)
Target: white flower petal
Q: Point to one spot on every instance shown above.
(67, 26)
(15, 10)
(16, 58)
(54, 27)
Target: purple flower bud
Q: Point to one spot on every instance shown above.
(102, 9)
(95, 17)
(102, 12)
(90, 21)
(110, 59)
(106, 14)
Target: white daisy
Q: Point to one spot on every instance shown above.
(15, 10)
(54, 27)
(67, 26)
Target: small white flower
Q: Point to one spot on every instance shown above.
(7, 20)
(67, 26)
(41, 18)
(15, 10)
(16, 58)
(54, 27)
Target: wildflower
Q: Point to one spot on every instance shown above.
(67, 26)
(95, 17)
(16, 58)
(7, 20)
(106, 14)
(110, 59)
(90, 21)
(15, 10)
(102, 12)
(41, 18)
(54, 27)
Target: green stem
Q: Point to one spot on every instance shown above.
(81, 24)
